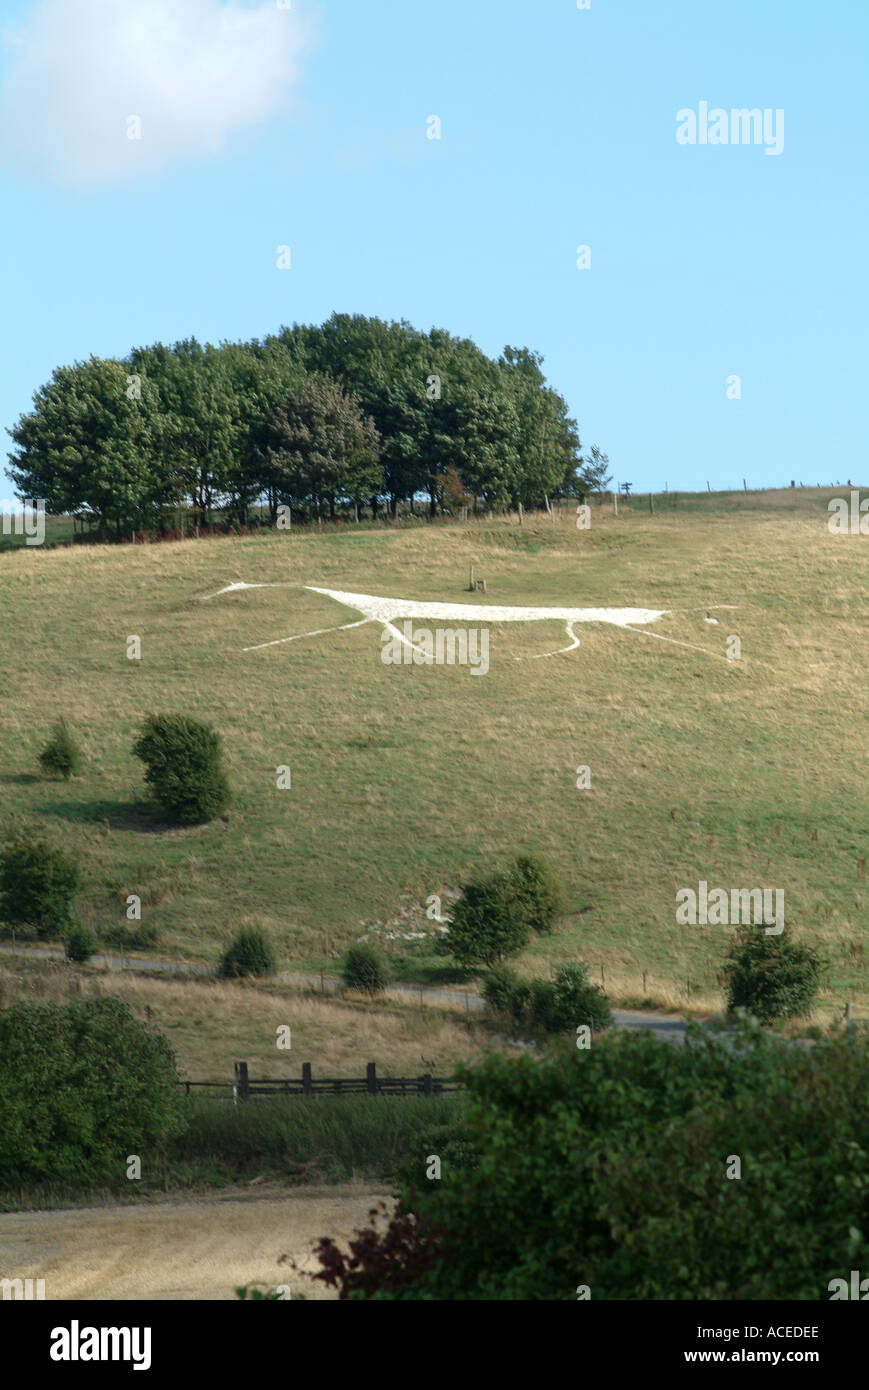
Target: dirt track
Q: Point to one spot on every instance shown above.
(182, 1248)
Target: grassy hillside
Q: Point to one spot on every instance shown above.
(211, 1025)
(405, 779)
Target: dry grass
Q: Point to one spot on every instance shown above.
(212, 1025)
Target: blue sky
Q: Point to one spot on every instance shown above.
(264, 127)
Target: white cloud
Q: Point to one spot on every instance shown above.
(194, 72)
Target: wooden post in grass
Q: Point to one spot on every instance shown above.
(471, 580)
(371, 1078)
(307, 1084)
(616, 502)
(242, 1085)
(848, 1012)
(520, 513)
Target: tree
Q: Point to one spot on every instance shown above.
(595, 474)
(321, 448)
(570, 1000)
(483, 441)
(91, 447)
(61, 755)
(83, 1085)
(539, 895)
(183, 759)
(80, 945)
(362, 968)
(548, 443)
(487, 923)
(199, 421)
(605, 1171)
(771, 976)
(555, 1005)
(249, 953)
(453, 491)
(37, 885)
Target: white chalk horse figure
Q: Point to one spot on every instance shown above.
(376, 609)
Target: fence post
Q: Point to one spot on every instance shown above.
(371, 1078)
(426, 1084)
(307, 1085)
(242, 1088)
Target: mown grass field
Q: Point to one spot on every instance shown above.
(405, 779)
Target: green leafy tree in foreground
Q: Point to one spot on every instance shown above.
(61, 756)
(37, 885)
(82, 1086)
(183, 768)
(607, 1170)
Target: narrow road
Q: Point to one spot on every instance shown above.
(667, 1027)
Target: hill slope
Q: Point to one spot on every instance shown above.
(744, 774)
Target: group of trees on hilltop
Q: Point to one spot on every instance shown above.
(353, 412)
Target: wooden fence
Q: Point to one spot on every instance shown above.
(243, 1087)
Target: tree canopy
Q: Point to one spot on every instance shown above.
(355, 410)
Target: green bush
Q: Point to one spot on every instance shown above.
(612, 1167)
(61, 755)
(37, 886)
(556, 1006)
(183, 768)
(362, 968)
(80, 945)
(575, 1001)
(249, 953)
(82, 1086)
(538, 893)
(505, 993)
(772, 977)
(487, 923)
